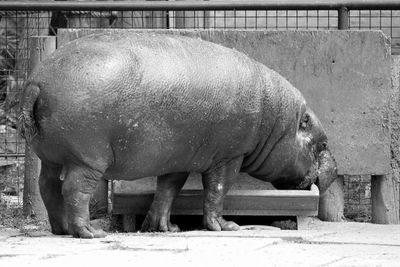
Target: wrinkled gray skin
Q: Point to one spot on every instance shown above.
(127, 106)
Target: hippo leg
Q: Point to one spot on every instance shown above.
(216, 184)
(158, 217)
(78, 186)
(50, 189)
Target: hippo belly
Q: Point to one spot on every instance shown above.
(153, 150)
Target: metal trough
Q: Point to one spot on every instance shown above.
(298, 203)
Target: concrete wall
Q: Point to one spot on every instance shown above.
(344, 75)
(395, 119)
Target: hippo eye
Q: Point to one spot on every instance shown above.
(305, 119)
(322, 146)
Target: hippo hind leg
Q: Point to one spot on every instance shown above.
(50, 186)
(78, 186)
(158, 217)
(216, 183)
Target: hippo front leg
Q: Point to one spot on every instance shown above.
(216, 183)
(158, 217)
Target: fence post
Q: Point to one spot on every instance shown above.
(384, 196)
(35, 23)
(39, 48)
(343, 19)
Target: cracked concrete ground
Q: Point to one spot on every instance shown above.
(323, 244)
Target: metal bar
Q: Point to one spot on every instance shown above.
(196, 5)
(343, 23)
(12, 155)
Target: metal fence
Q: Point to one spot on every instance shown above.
(20, 20)
(357, 197)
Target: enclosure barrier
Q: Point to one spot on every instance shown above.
(21, 20)
(201, 5)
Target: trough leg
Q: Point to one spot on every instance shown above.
(303, 222)
(385, 199)
(331, 203)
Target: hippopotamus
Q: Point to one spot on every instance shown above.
(124, 106)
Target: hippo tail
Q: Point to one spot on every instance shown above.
(26, 122)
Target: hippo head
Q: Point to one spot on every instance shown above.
(300, 157)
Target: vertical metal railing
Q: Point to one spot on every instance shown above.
(343, 18)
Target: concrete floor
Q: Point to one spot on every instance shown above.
(324, 244)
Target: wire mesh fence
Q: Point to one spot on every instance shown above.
(357, 197)
(387, 21)
(19, 22)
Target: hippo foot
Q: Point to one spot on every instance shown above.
(85, 231)
(219, 224)
(58, 229)
(158, 224)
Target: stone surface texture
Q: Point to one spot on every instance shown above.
(322, 244)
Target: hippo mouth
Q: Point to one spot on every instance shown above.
(310, 178)
(322, 173)
(327, 171)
